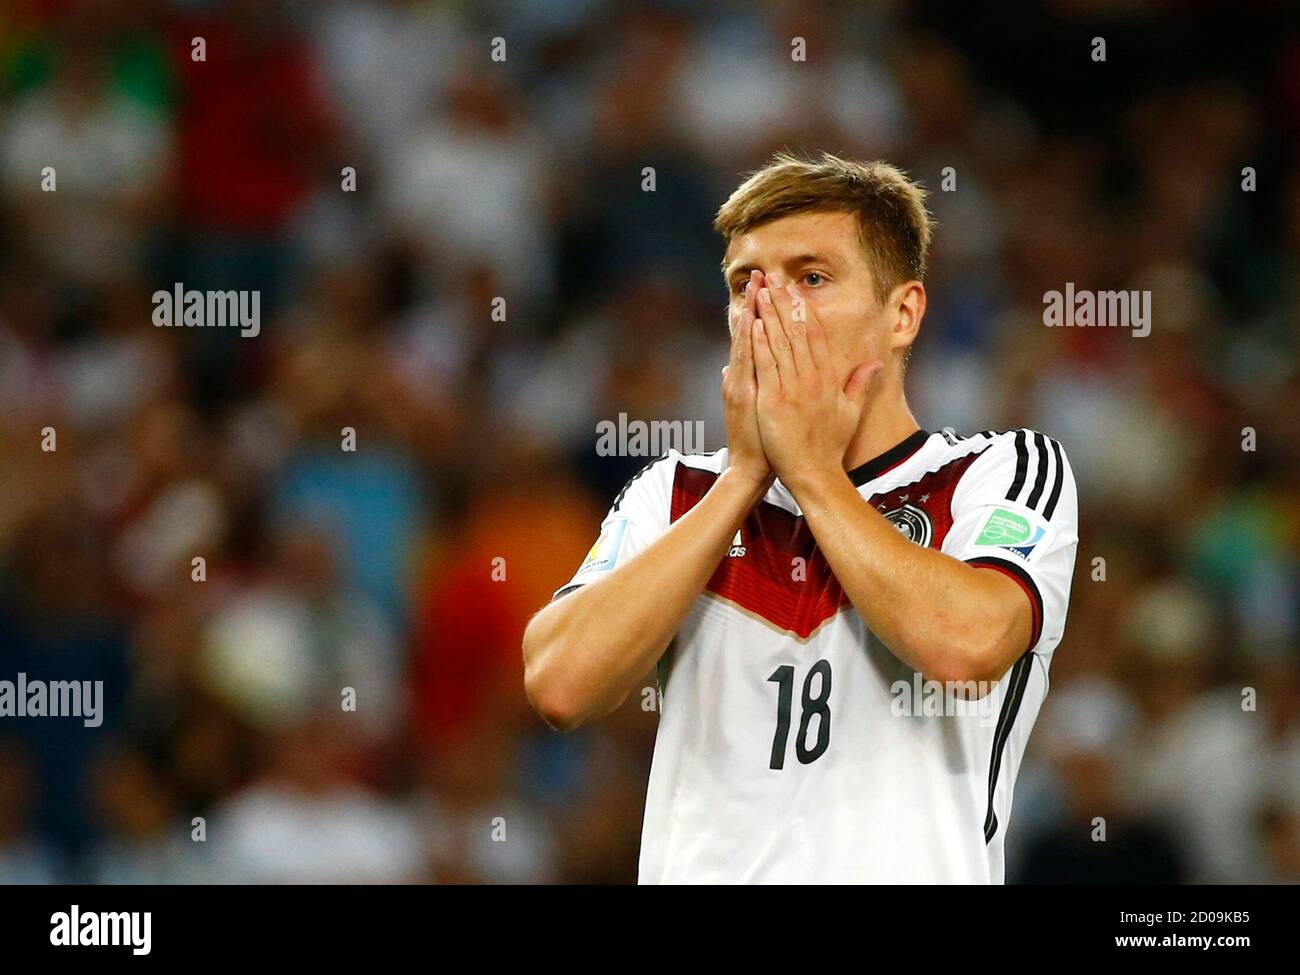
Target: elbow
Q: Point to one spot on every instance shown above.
(973, 663)
(559, 712)
(559, 708)
(967, 680)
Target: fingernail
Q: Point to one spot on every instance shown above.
(774, 280)
(758, 326)
(765, 296)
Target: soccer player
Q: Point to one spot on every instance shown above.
(852, 618)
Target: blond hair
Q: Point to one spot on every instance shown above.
(893, 223)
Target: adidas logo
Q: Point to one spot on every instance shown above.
(737, 549)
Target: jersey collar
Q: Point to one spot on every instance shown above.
(890, 459)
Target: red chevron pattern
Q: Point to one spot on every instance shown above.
(765, 581)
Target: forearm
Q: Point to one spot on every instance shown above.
(585, 652)
(943, 618)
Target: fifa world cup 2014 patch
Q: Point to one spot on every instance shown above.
(603, 556)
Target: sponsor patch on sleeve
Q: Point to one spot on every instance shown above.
(1011, 532)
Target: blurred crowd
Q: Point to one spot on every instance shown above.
(404, 571)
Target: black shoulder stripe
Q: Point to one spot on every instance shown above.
(621, 494)
(1041, 458)
(1017, 682)
(1022, 466)
(1056, 486)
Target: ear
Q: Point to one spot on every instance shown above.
(909, 301)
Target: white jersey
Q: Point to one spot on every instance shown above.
(793, 747)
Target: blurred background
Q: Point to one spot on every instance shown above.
(522, 179)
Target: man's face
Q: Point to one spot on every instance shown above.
(822, 254)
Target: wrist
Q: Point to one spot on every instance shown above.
(813, 482)
(751, 481)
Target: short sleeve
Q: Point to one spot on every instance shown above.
(636, 519)
(1016, 511)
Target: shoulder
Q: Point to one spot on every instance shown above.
(658, 475)
(1020, 466)
(1021, 446)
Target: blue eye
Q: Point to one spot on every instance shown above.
(810, 276)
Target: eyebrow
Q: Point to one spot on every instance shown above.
(730, 273)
